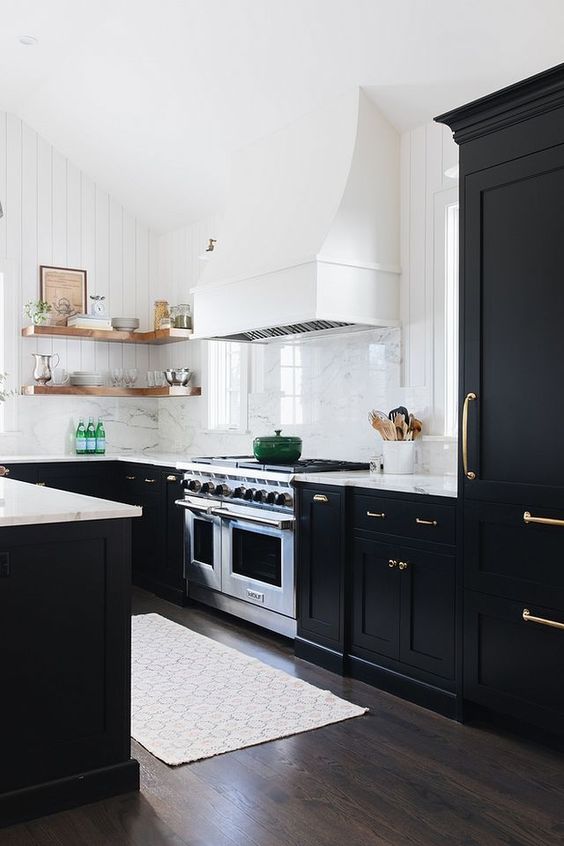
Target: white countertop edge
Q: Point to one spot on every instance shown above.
(24, 504)
(418, 483)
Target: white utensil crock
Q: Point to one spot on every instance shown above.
(399, 457)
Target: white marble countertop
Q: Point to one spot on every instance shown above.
(419, 483)
(26, 504)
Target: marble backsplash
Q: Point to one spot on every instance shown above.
(320, 389)
(46, 425)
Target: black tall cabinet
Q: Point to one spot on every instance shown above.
(512, 398)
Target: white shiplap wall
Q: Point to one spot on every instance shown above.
(426, 152)
(54, 214)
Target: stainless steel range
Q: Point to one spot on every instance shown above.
(239, 536)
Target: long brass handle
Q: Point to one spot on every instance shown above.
(320, 498)
(379, 514)
(171, 478)
(421, 522)
(543, 521)
(467, 400)
(542, 621)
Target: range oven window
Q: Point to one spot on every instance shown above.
(203, 541)
(257, 556)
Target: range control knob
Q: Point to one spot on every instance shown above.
(194, 485)
(284, 499)
(223, 490)
(260, 496)
(208, 488)
(239, 492)
(249, 494)
(271, 497)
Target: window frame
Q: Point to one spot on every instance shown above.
(207, 378)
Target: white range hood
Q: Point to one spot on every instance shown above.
(310, 237)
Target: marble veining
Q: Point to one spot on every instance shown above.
(24, 504)
(418, 483)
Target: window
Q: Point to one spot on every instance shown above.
(451, 320)
(226, 385)
(291, 384)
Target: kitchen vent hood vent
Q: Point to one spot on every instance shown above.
(310, 238)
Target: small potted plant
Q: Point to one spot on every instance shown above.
(37, 311)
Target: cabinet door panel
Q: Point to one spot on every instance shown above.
(512, 666)
(321, 532)
(513, 314)
(172, 567)
(375, 598)
(427, 629)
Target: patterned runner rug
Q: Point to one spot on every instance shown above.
(193, 698)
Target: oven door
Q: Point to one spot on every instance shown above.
(202, 544)
(258, 564)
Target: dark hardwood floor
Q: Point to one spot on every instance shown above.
(400, 776)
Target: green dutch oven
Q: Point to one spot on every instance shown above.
(277, 448)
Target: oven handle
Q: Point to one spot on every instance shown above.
(286, 523)
(196, 508)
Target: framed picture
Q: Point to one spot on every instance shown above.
(64, 288)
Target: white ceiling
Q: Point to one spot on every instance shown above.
(150, 96)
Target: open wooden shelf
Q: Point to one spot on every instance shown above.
(107, 391)
(163, 336)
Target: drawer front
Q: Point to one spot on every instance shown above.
(139, 481)
(508, 557)
(420, 519)
(511, 666)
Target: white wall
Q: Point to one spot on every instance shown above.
(54, 214)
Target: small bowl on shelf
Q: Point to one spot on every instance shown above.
(178, 377)
(125, 324)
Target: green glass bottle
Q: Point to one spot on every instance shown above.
(100, 438)
(90, 437)
(80, 438)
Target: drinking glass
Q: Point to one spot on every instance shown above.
(132, 373)
(117, 377)
(150, 378)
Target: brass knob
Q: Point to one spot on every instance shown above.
(403, 565)
(392, 563)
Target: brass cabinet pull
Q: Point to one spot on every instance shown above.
(40, 484)
(421, 522)
(467, 400)
(379, 514)
(150, 481)
(131, 478)
(403, 565)
(543, 521)
(4, 471)
(542, 621)
(392, 563)
(320, 498)
(171, 478)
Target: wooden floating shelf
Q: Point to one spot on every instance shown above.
(107, 391)
(163, 336)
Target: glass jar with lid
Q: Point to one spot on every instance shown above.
(181, 316)
(161, 312)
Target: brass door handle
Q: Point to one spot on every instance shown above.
(150, 481)
(543, 521)
(171, 478)
(467, 400)
(378, 514)
(542, 621)
(403, 565)
(131, 478)
(392, 563)
(320, 498)
(421, 522)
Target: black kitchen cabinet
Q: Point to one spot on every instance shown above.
(376, 599)
(172, 583)
(321, 575)
(21, 472)
(512, 312)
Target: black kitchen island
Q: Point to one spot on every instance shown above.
(65, 564)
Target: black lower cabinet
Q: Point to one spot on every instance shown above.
(377, 590)
(403, 621)
(321, 573)
(513, 664)
(65, 652)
